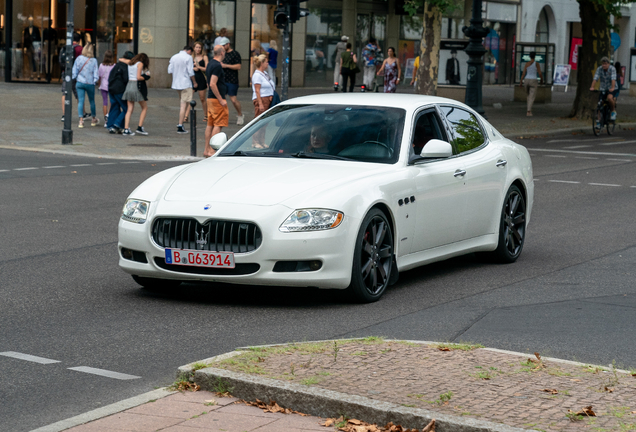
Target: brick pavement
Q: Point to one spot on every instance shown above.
(479, 383)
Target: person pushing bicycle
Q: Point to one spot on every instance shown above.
(606, 75)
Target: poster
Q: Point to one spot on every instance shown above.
(561, 75)
(408, 70)
(632, 67)
(407, 49)
(574, 52)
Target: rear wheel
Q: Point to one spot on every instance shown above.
(512, 227)
(611, 124)
(597, 122)
(372, 259)
(156, 284)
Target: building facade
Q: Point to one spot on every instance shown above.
(33, 31)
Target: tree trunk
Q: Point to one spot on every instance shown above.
(596, 44)
(429, 52)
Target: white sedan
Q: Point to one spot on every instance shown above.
(333, 191)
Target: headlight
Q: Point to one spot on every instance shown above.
(312, 220)
(135, 211)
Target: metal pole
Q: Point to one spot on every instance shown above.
(475, 50)
(67, 132)
(193, 128)
(285, 71)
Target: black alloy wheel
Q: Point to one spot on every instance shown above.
(156, 284)
(512, 228)
(597, 122)
(372, 258)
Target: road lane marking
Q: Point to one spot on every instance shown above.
(24, 169)
(564, 140)
(103, 372)
(604, 184)
(107, 163)
(28, 357)
(559, 156)
(5, 170)
(594, 153)
(564, 181)
(619, 142)
(54, 166)
(130, 162)
(575, 147)
(620, 160)
(80, 165)
(585, 157)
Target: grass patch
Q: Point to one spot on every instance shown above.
(310, 381)
(199, 365)
(463, 346)
(557, 372)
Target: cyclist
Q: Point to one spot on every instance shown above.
(606, 75)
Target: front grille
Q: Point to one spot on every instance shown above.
(213, 235)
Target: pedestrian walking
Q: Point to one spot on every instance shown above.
(222, 34)
(370, 55)
(77, 51)
(262, 95)
(117, 81)
(182, 69)
(218, 113)
(85, 72)
(272, 53)
(337, 64)
(530, 79)
(416, 67)
(138, 65)
(200, 59)
(103, 72)
(392, 71)
(231, 65)
(348, 60)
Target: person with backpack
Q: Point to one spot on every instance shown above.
(117, 82)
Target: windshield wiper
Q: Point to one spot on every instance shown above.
(303, 154)
(243, 153)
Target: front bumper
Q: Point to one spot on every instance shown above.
(334, 248)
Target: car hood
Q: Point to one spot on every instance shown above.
(260, 180)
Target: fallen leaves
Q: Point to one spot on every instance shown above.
(538, 362)
(186, 386)
(585, 411)
(444, 349)
(272, 407)
(354, 425)
(551, 391)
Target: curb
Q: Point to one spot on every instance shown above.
(149, 158)
(527, 135)
(105, 411)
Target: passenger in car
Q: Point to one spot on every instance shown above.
(318, 140)
(423, 134)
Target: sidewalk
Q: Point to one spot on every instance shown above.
(31, 121)
(348, 383)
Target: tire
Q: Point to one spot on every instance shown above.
(512, 227)
(156, 284)
(597, 122)
(372, 259)
(610, 127)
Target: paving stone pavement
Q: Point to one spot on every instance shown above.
(480, 383)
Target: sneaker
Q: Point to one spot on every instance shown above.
(119, 130)
(613, 116)
(112, 130)
(141, 131)
(86, 115)
(128, 132)
(181, 130)
(95, 122)
(106, 124)
(240, 119)
(81, 124)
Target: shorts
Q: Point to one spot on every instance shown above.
(186, 95)
(232, 89)
(218, 115)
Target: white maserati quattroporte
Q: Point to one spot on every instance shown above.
(333, 191)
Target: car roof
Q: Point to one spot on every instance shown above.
(407, 101)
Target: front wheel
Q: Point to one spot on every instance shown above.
(610, 126)
(372, 259)
(597, 122)
(512, 227)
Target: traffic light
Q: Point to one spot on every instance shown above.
(281, 15)
(295, 11)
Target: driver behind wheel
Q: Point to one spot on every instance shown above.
(606, 75)
(318, 140)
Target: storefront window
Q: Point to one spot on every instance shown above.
(28, 48)
(263, 33)
(324, 31)
(210, 19)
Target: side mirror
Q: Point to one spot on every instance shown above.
(218, 140)
(437, 149)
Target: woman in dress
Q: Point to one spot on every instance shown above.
(392, 72)
(138, 64)
(86, 72)
(200, 58)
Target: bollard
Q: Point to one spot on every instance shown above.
(193, 129)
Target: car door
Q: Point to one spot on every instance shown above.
(439, 185)
(485, 169)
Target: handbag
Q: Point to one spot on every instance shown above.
(275, 99)
(356, 68)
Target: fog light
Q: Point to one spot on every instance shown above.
(315, 265)
(127, 254)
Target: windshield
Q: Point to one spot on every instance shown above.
(340, 132)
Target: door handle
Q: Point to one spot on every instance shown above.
(459, 173)
(501, 162)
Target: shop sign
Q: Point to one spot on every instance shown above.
(574, 52)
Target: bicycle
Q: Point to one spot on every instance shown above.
(602, 116)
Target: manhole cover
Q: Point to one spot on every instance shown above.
(149, 145)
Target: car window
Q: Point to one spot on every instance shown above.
(427, 127)
(362, 133)
(468, 134)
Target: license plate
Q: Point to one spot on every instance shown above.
(200, 258)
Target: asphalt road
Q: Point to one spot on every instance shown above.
(570, 295)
